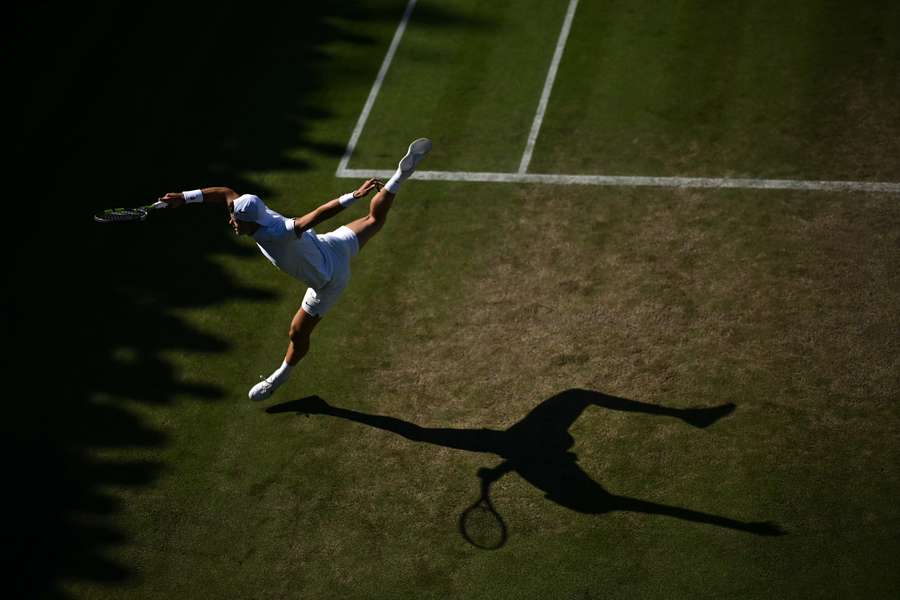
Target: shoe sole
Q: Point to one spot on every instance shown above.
(417, 151)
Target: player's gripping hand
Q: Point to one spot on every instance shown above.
(367, 186)
(173, 199)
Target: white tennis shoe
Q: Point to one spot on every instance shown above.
(417, 151)
(262, 390)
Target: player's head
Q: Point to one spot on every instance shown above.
(247, 214)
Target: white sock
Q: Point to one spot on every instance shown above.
(281, 374)
(394, 182)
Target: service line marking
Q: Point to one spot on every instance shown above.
(630, 181)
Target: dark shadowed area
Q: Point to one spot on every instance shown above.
(119, 104)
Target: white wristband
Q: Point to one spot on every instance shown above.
(347, 199)
(193, 196)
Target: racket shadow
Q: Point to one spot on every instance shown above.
(480, 524)
(537, 449)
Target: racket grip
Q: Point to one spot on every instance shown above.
(158, 204)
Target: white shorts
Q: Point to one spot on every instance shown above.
(343, 245)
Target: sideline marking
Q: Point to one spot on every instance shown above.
(376, 88)
(627, 181)
(548, 86)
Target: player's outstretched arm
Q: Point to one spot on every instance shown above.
(333, 207)
(210, 195)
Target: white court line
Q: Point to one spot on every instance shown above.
(548, 86)
(376, 87)
(627, 181)
(604, 180)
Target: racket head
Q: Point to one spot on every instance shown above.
(482, 526)
(121, 215)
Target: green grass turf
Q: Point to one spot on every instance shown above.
(147, 473)
(479, 76)
(801, 90)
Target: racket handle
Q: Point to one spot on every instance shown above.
(158, 204)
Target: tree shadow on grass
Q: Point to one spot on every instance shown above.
(537, 448)
(121, 102)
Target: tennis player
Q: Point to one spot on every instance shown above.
(322, 262)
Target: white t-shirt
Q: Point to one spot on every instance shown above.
(302, 257)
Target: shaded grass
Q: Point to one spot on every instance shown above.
(113, 112)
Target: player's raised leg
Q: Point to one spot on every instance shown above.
(372, 223)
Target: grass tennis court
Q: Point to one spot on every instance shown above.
(557, 336)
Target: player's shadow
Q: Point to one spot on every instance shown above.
(537, 448)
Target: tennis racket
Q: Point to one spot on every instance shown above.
(480, 524)
(123, 215)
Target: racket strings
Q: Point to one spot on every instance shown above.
(120, 214)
